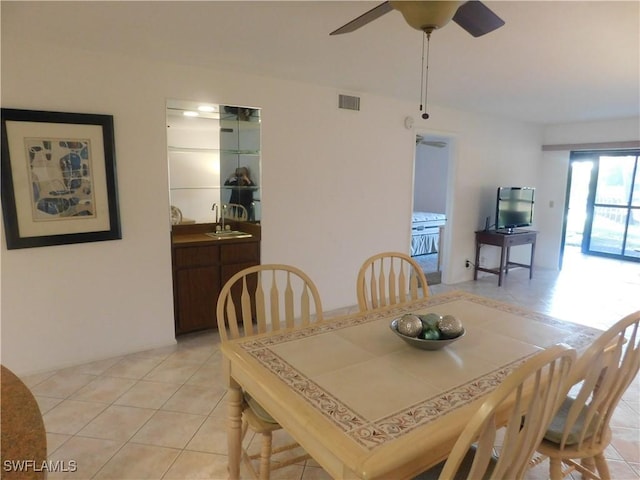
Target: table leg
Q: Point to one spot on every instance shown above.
(502, 259)
(533, 252)
(234, 430)
(475, 267)
(506, 263)
(440, 243)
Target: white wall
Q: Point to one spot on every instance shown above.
(554, 169)
(335, 186)
(620, 130)
(70, 303)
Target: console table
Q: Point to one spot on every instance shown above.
(505, 241)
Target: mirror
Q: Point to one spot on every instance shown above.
(214, 159)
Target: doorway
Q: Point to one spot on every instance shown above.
(429, 215)
(602, 215)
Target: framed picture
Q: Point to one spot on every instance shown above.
(58, 178)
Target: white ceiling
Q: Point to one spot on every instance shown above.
(553, 61)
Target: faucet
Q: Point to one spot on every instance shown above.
(224, 212)
(214, 208)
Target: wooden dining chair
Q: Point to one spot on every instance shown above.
(390, 278)
(531, 394)
(580, 431)
(257, 300)
(235, 211)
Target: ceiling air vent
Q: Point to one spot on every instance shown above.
(348, 102)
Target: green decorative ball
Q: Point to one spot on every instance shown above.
(430, 320)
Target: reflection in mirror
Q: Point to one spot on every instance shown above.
(214, 162)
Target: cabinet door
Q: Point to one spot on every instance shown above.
(197, 290)
(244, 254)
(236, 258)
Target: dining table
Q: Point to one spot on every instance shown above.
(365, 404)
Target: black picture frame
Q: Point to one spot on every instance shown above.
(59, 182)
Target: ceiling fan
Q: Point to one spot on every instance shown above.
(427, 16)
(475, 17)
(420, 140)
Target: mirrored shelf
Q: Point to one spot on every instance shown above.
(213, 150)
(206, 149)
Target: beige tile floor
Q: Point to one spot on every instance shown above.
(160, 414)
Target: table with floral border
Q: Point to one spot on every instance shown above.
(363, 403)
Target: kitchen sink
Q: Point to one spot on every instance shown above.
(228, 234)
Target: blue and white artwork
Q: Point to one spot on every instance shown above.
(61, 178)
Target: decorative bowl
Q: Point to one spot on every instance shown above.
(421, 343)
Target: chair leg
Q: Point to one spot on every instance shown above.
(265, 456)
(244, 429)
(603, 468)
(555, 468)
(588, 464)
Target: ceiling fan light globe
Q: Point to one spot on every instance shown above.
(426, 15)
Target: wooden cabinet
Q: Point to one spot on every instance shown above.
(196, 281)
(201, 266)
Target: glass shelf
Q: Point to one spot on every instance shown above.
(212, 150)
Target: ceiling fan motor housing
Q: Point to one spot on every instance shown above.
(426, 15)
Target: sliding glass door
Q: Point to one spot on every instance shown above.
(612, 214)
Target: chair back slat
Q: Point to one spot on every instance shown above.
(484, 451)
(292, 300)
(233, 323)
(245, 301)
(305, 307)
(403, 285)
(274, 301)
(261, 309)
(373, 285)
(390, 278)
(382, 285)
(413, 286)
(288, 303)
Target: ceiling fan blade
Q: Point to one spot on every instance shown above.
(476, 18)
(365, 18)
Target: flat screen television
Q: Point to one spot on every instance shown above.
(514, 208)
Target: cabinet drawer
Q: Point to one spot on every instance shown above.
(520, 239)
(194, 256)
(240, 252)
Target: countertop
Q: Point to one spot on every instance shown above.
(196, 234)
(197, 238)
